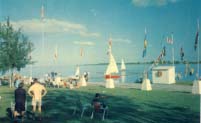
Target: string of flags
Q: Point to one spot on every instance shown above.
(182, 53)
(196, 39)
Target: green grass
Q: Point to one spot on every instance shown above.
(184, 83)
(125, 106)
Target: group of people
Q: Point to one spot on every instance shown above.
(36, 91)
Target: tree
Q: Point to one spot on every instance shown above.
(15, 49)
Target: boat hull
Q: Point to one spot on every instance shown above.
(112, 76)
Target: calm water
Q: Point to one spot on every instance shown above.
(96, 72)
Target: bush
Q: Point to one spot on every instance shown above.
(4, 82)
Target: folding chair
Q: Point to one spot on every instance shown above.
(98, 108)
(81, 107)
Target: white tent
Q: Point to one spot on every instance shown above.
(83, 81)
(163, 74)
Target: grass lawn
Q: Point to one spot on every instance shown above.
(125, 106)
(184, 83)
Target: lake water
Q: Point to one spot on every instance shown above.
(96, 72)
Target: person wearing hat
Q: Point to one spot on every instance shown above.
(37, 91)
(20, 99)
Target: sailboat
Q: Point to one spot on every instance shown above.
(123, 66)
(77, 72)
(112, 70)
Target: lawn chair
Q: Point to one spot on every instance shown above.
(81, 107)
(98, 108)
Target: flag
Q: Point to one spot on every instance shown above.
(42, 14)
(162, 54)
(182, 54)
(144, 53)
(110, 46)
(110, 42)
(56, 53)
(145, 45)
(169, 40)
(164, 51)
(81, 52)
(196, 40)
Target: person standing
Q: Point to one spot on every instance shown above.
(17, 81)
(37, 91)
(20, 99)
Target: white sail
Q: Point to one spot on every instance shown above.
(123, 66)
(112, 67)
(77, 72)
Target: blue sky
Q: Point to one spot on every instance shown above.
(88, 24)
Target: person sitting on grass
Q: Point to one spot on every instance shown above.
(20, 98)
(37, 91)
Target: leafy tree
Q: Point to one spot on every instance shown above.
(15, 49)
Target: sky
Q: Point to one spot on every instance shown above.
(72, 25)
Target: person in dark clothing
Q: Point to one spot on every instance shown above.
(98, 102)
(20, 98)
(86, 76)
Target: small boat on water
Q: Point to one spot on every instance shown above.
(76, 76)
(112, 69)
(123, 66)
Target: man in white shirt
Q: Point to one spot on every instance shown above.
(37, 91)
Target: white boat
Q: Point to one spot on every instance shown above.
(123, 66)
(112, 69)
(77, 72)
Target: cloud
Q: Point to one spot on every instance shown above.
(84, 43)
(121, 40)
(146, 3)
(53, 26)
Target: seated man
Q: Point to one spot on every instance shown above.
(98, 102)
(98, 105)
(20, 98)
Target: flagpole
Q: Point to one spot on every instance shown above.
(30, 78)
(172, 50)
(56, 55)
(198, 58)
(43, 33)
(145, 72)
(81, 54)
(198, 62)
